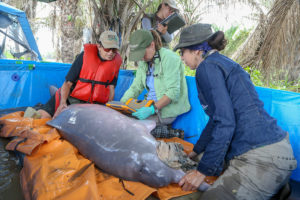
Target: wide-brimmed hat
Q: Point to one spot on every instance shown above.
(138, 42)
(194, 34)
(109, 40)
(171, 3)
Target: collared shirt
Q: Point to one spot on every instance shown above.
(169, 80)
(150, 83)
(237, 120)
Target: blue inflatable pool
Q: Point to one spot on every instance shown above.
(26, 83)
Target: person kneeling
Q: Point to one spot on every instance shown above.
(92, 77)
(161, 72)
(241, 143)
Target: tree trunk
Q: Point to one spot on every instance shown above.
(121, 16)
(68, 36)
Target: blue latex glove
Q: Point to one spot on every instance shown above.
(144, 112)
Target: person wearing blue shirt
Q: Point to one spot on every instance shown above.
(241, 143)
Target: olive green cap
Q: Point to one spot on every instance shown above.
(138, 42)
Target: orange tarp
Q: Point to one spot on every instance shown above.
(33, 132)
(54, 169)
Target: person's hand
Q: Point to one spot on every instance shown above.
(162, 29)
(191, 181)
(192, 154)
(59, 109)
(144, 112)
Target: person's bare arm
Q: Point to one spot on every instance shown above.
(111, 92)
(64, 93)
(191, 180)
(164, 101)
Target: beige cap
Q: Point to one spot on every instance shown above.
(109, 40)
(171, 3)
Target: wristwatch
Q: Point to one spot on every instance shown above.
(155, 109)
(157, 112)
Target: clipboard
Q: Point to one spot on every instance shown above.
(174, 22)
(130, 106)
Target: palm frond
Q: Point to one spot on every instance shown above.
(275, 43)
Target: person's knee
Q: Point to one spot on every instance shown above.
(44, 114)
(192, 196)
(217, 194)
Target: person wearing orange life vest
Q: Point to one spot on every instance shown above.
(92, 77)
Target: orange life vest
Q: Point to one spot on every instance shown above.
(95, 76)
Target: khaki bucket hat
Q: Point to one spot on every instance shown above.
(194, 34)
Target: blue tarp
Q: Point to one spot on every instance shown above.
(27, 83)
(21, 16)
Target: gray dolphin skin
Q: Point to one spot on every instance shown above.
(117, 144)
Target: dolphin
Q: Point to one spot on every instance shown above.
(117, 144)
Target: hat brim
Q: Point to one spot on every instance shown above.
(137, 54)
(174, 7)
(186, 44)
(110, 46)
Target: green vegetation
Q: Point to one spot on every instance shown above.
(189, 72)
(8, 55)
(256, 76)
(259, 80)
(235, 37)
